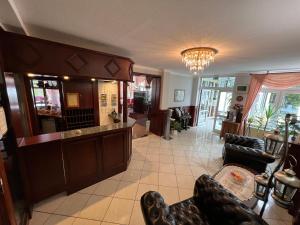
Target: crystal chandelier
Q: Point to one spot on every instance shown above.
(196, 59)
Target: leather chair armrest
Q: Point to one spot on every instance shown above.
(155, 210)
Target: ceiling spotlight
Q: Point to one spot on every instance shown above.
(66, 77)
(93, 79)
(31, 75)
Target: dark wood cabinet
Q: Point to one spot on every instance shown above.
(42, 170)
(70, 164)
(113, 152)
(81, 164)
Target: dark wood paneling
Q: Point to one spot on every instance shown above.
(85, 90)
(7, 212)
(23, 54)
(15, 113)
(193, 111)
(158, 120)
(96, 103)
(81, 163)
(42, 170)
(113, 152)
(87, 159)
(125, 104)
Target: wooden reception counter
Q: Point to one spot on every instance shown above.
(71, 160)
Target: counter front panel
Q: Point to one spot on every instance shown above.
(74, 161)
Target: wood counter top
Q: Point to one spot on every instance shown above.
(44, 138)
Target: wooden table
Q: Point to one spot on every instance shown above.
(229, 127)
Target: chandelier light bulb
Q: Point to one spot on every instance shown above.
(197, 59)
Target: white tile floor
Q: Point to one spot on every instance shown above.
(169, 167)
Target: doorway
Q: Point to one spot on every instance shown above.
(207, 108)
(224, 102)
(143, 103)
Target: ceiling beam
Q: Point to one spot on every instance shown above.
(18, 15)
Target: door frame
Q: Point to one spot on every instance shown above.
(216, 112)
(220, 89)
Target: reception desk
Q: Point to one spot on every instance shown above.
(71, 160)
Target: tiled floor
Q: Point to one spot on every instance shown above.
(169, 167)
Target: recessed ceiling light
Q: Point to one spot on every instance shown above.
(66, 77)
(93, 79)
(30, 75)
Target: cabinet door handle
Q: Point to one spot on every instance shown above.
(1, 186)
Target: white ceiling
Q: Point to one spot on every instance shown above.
(251, 35)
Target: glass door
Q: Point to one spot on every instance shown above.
(208, 105)
(223, 104)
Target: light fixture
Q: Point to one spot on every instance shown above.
(286, 185)
(93, 79)
(197, 59)
(261, 185)
(66, 77)
(30, 75)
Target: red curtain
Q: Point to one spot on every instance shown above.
(277, 81)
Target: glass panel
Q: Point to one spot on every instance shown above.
(53, 98)
(270, 102)
(223, 107)
(223, 82)
(265, 105)
(39, 97)
(208, 105)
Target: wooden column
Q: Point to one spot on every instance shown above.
(119, 97)
(125, 106)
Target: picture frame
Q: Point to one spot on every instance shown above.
(179, 95)
(72, 100)
(113, 100)
(242, 88)
(103, 100)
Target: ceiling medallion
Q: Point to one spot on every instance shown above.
(197, 59)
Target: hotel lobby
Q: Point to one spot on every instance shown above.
(156, 113)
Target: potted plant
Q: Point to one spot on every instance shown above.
(269, 113)
(175, 127)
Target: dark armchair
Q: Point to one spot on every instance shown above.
(182, 117)
(211, 204)
(246, 151)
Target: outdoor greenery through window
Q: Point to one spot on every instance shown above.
(271, 106)
(222, 82)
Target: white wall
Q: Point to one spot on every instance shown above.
(147, 70)
(240, 79)
(172, 81)
(107, 88)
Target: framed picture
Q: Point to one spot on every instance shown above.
(242, 88)
(72, 100)
(113, 100)
(179, 95)
(103, 100)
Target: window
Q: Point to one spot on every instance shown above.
(222, 82)
(277, 104)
